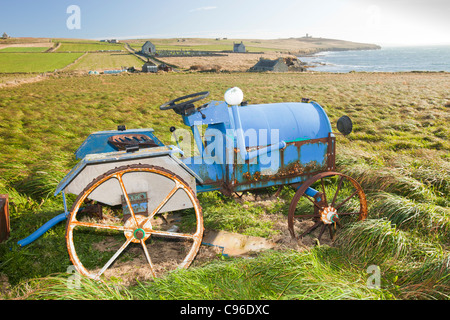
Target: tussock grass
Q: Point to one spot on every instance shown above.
(428, 280)
(19, 202)
(66, 286)
(389, 180)
(273, 275)
(40, 184)
(405, 212)
(374, 241)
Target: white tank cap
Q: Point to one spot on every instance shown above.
(234, 96)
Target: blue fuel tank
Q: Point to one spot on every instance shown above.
(294, 121)
(263, 145)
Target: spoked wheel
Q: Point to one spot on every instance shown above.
(339, 199)
(133, 231)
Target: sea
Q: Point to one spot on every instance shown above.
(386, 59)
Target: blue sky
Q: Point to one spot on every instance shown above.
(385, 22)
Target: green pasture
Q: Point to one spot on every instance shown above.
(106, 60)
(24, 49)
(35, 62)
(201, 47)
(89, 46)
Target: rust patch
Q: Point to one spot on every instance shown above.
(249, 177)
(4, 217)
(296, 168)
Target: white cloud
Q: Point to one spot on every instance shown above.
(202, 9)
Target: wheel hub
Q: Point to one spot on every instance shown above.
(138, 232)
(329, 215)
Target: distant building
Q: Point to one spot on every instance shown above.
(277, 65)
(148, 48)
(5, 36)
(238, 47)
(149, 67)
(113, 41)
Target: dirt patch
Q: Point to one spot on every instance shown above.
(165, 256)
(27, 45)
(5, 287)
(22, 79)
(283, 238)
(228, 62)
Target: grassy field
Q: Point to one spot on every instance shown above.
(89, 46)
(201, 47)
(399, 152)
(24, 49)
(293, 45)
(35, 62)
(106, 60)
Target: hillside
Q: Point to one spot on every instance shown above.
(295, 46)
(101, 55)
(255, 49)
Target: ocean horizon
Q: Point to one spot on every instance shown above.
(386, 59)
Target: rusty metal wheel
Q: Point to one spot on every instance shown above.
(138, 231)
(340, 198)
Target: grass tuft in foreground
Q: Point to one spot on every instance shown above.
(317, 274)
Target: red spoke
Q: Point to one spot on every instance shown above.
(331, 232)
(342, 203)
(322, 231)
(306, 215)
(311, 229)
(313, 202)
(324, 195)
(348, 213)
(337, 191)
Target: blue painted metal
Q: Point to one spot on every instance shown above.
(299, 149)
(97, 142)
(120, 156)
(311, 192)
(43, 229)
(240, 140)
(114, 71)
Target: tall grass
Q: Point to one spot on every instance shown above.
(428, 280)
(389, 179)
(404, 212)
(374, 241)
(66, 286)
(315, 274)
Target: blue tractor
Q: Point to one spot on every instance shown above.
(135, 193)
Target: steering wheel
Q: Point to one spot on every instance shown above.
(173, 104)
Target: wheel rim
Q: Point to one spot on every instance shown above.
(120, 229)
(340, 199)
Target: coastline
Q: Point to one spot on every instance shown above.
(387, 59)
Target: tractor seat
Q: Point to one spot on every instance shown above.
(124, 141)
